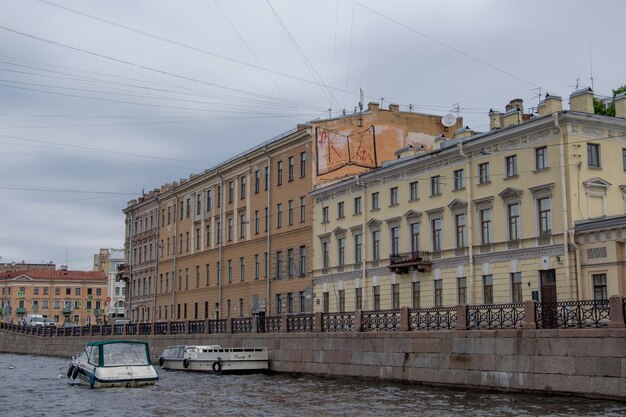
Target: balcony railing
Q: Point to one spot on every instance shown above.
(572, 314)
(409, 261)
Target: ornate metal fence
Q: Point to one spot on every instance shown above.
(270, 324)
(197, 327)
(106, 330)
(435, 318)
(380, 320)
(301, 323)
(242, 325)
(217, 326)
(568, 314)
(145, 328)
(495, 316)
(177, 327)
(160, 327)
(131, 328)
(337, 322)
(118, 329)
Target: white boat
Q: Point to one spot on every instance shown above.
(115, 363)
(214, 359)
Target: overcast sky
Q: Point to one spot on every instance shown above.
(100, 100)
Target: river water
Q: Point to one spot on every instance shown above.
(37, 386)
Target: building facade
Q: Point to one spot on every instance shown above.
(109, 260)
(23, 266)
(61, 295)
(485, 218)
(135, 287)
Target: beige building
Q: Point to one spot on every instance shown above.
(534, 208)
(135, 288)
(109, 261)
(60, 295)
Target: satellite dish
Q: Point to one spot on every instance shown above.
(448, 120)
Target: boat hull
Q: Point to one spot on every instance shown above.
(214, 359)
(117, 376)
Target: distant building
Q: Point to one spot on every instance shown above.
(109, 261)
(61, 295)
(23, 266)
(532, 209)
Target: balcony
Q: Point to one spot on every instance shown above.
(20, 310)
(402, 263)
(67, 310)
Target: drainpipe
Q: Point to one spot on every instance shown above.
(156, 263)
(175, 249)
(568, 282)
(576, 265)
(470, 229)
(269, 228)
(364, 235)
(130, 265)
(221, 240)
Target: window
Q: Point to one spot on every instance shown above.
(230, 229)
(599, 287)
(375, 205)
(279, 173)
(302, 261)
(76, 291)
(231, 191)
(415, 237)
(358, 298)
(483, 173)
(257, 220)
(57, 291)
(342, 300)
(302, 301)
(279, 215)
(242, 187)
(358, 249)
(462, 290)
(393, 196)
(487, 289)
(219, 196)
(438, 293)
(218, 273)
(267, 218)
(256, 266)
(230, 271)
(302, 164)
(511, 166)
(36, 291)
(279, 304)
(198, 204)
(395, 240)
(242, 225)
(485, 226)
(541, 158)
(593, 155)
(197, 238)
(289, 302)
(257, 181)
(325, 253)
(325, 214)
(415, 294)
(266, 173)
(290, 169)
(436, 229)
(197, 276)
(459, 224)
(326, 302)
(209, 200)
(341, 247)
(545, 216)
(188, 213)
(516, 287)
(435, 185)
(302, 210)
(291, 270)
(208, 274)
(340, 210)
(169, 215)
(290, 212)
(413, 191)
(395, 296)
(376, 245)
(512, 212)
(624, 159)
(357, 205)
(242, 269)
(266, 265)
(458, 180)
(180, 210)
(376, 297)
(279, 264)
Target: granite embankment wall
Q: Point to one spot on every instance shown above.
(589, 362)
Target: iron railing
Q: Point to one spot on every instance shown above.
(495, 316)
(301, 323)
(197, 326)
(270, 324)
(177, 327)
(407, 257)
(380, 320)
(145, 328)
(337, 322)
(570, 314)
(217, 326)
(435, 318)
(242, 325)
(131, 328)
(160, 327)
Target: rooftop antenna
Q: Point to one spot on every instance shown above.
(590, 62)
(538, 96)
(329, 110)
(457, 108)
(359, 120)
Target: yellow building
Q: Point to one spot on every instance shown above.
(59, 295)
(496, 217)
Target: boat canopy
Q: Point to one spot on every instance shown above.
(117, 353)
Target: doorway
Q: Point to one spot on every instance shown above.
(549, 317)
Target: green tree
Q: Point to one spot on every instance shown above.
(598, 105)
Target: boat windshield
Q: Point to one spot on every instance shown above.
(116, 354)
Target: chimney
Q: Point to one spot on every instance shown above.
(373, 106)
(549, 105)
(440, 140)
(512, 117)
(516, 103)
(394, 107)
(581, 100)
(620, 105)
(495, 119)
(463, 132)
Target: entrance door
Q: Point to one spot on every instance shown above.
(548, 299)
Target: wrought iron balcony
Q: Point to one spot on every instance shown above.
(67, 310)
(20, 310)
(411, 261)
